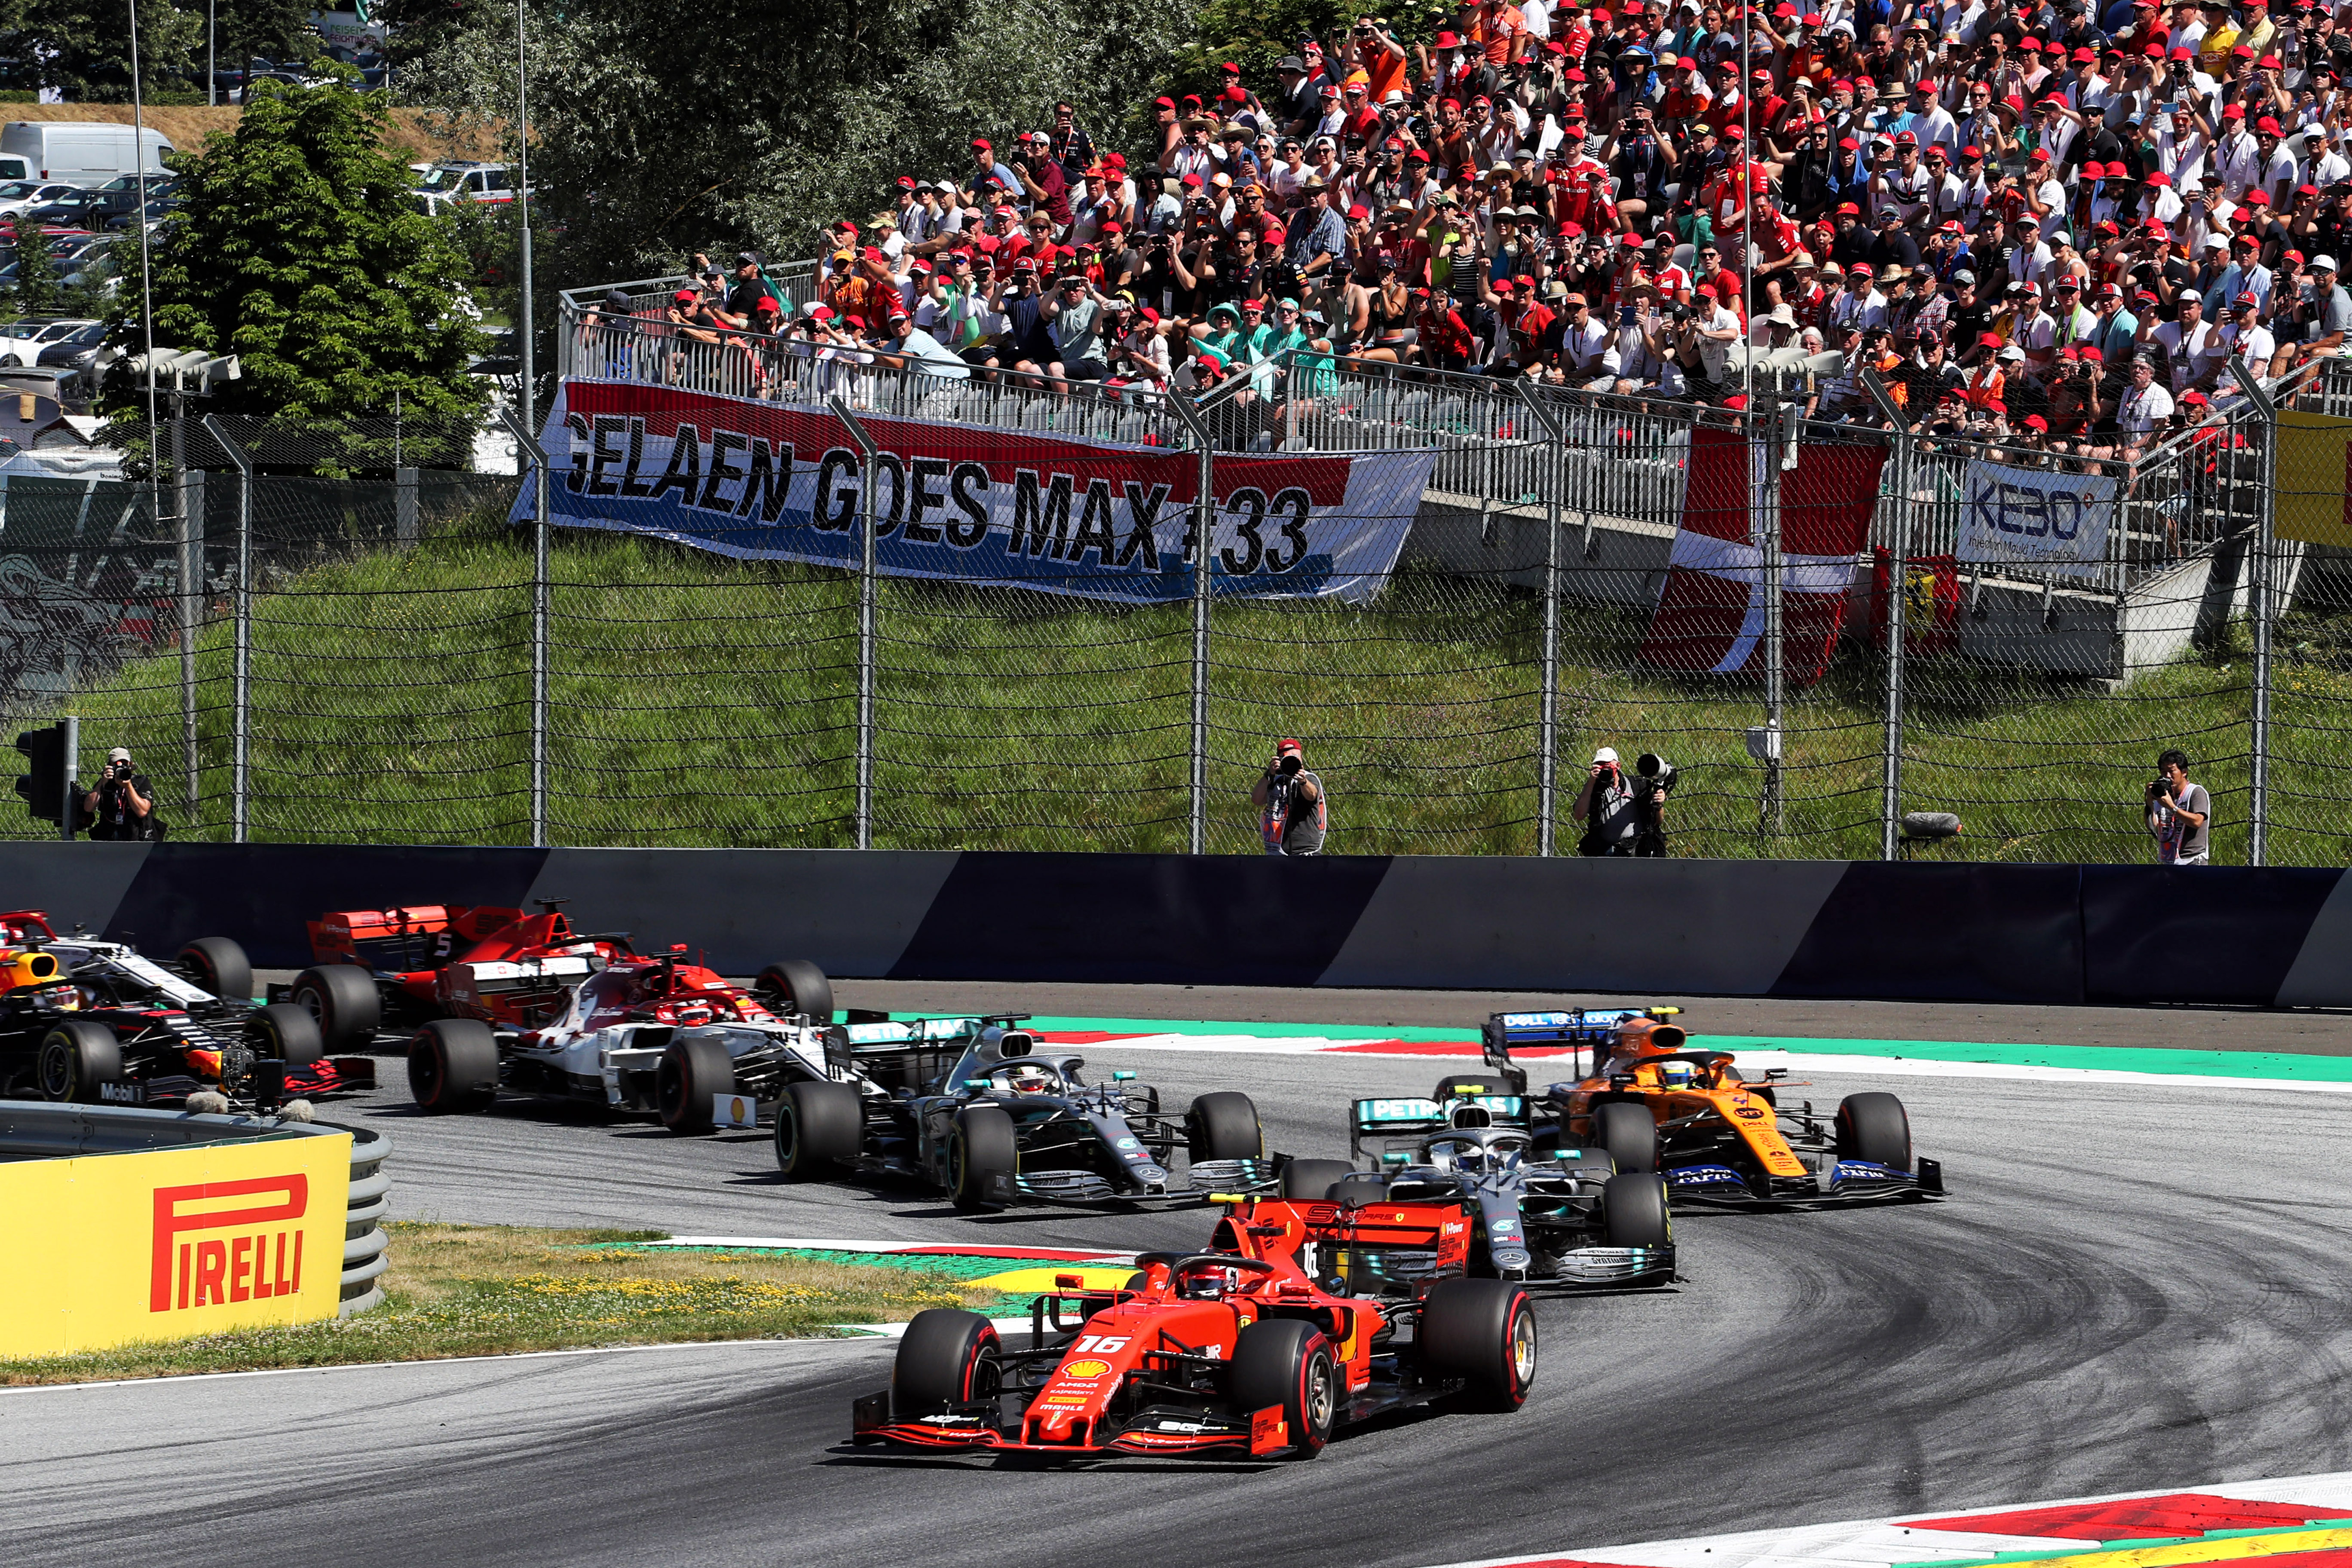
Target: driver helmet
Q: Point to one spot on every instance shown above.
(1210, 1284)
(1677, 1075)
(1029, 1078)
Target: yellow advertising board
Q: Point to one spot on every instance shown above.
(166, 1244)
(2314, 452)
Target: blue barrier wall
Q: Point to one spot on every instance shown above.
(1808, 929)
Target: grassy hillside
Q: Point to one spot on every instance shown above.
(417, 135)
(703, 701)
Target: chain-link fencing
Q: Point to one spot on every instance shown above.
(308, 659)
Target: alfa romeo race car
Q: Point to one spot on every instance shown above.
(1238, 1349)
(991, 1120)
(1538, 1213)
(1716, 1136)
(82, 1019)
(503, 967)
(583, 1019)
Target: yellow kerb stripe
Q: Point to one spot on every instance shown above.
(2225, 1550)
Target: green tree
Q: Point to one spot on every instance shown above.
(35, 289)
(297, 250)
(418, 27)
(640, 151)
(272, 30)
(83, 46)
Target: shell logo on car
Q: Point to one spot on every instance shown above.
(1084, 1369)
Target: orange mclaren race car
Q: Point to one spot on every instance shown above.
(1718, 1136)
(1235, 1349)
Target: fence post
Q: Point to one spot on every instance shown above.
(1773, 817)
(527, 442)
(1204, 513)
(1548, 720)
(241, 689)
(868, 483)
(192, 604)
(2258, 804)
(1898, 584)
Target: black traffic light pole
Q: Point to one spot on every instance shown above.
(48, 787)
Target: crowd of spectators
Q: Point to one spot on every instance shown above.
(2046, 223)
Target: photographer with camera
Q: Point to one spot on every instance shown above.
(1293, 810)
(1624, 814)
(122, 805)
(2180, 813)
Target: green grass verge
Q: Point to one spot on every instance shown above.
(697, 701)
(459, 1290)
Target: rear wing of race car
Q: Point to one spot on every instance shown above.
(1581, 1030)
(1385, 1122)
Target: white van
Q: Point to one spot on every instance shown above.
(81, 152)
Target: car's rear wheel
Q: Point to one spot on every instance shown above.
(217, 964)
(818, 1125)
(1224, 1126)
(981, 1148)
(76, 1055)
(453, 1066)
(795, 986)
(286, 1032)
(1628, 1131)
(1283, 1362)
(948, 1358)
(1633, 1211)
(1311, 1180)
(690, 1075)
(1874, 1127)
(342, 999)
(1484, 1332)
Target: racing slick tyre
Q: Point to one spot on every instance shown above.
(453, 1066)
(1628, 1131)
(1286, 1362)
(1311, 1180)
(1483, 1331)
(78, 1055)
(796, 986)
(1633, 1211)
(981, 1147)
(1224, 1126)
(818, 1125)
(691, 1074)
(287, 1032)
(343, 998)
(219, 965)
(949, 1357)
(1874, 1127)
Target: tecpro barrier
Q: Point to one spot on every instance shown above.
(129, 1226)
(2217, 934)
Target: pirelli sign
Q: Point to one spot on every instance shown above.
(167, 1244)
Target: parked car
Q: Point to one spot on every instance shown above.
(126, 222)
(83, 154)
(76, 209)
(29, 338)
(18, 195)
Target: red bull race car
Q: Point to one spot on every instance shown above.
(82, 1019)
(1237, 1350)
(1718, 1136)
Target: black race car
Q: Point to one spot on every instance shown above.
(82, 1019)
(973, 1107)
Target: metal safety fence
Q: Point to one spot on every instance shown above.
(344, 660)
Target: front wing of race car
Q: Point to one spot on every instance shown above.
(1154, 1429)
(1204, 1181)
(1838, 1182)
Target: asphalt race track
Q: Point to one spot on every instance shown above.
(2131, 1287)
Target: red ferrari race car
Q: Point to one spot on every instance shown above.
(500, 999)
(1235, 1349)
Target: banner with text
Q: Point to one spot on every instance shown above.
(2032, 517)
(1053, 513)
